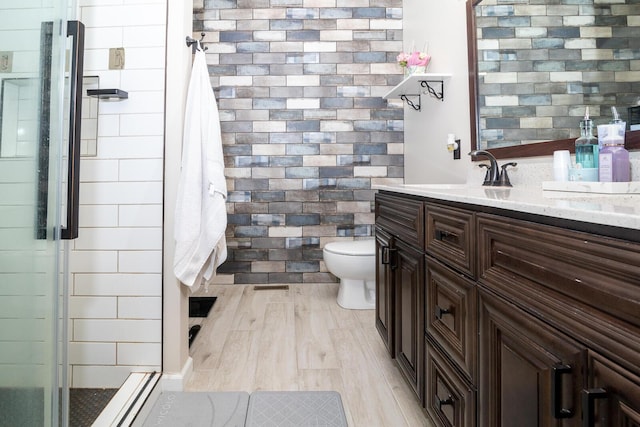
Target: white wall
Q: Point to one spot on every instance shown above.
(442, 24)
(176, 364)
(116, 263)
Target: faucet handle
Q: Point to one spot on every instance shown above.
(487, 175)
(504, 178)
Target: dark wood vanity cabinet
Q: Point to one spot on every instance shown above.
(523, 321)
(559, 314)
(400, 310)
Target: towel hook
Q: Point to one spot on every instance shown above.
(193, 43)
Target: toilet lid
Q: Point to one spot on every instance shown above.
(352, 247)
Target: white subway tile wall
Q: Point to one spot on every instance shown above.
(116, 263)
(90, 353)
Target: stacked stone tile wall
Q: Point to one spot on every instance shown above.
(542, 62)
(305, 130)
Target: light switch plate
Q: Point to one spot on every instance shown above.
(116, 58)
(6, 62)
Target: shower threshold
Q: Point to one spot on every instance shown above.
(123, 408)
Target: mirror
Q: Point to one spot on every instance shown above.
(535, 65)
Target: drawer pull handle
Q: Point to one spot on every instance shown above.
(388, 256)
(440, 403)
(443, 235)
(556, 391)
(385, 254)
(442, 311)
(588, 410)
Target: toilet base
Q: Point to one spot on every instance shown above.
(356, 294)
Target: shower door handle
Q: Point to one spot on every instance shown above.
(75, 29)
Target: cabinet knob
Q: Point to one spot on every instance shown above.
(440, 402)
(444, 235)
(442, 311)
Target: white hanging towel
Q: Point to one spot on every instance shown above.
(201, 217)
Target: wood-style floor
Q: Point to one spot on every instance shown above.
(301, 339)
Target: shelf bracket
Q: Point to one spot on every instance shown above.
(411, 103)
(431, 90)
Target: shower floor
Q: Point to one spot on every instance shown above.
(87, 403)
(16, 405)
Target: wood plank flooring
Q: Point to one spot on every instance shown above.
(301, 339)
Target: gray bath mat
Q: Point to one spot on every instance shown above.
(216, 409)
(295, 409)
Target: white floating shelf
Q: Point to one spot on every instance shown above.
(411, 86)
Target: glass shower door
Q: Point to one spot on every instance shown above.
(32, 350)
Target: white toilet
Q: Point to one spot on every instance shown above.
(354, 263)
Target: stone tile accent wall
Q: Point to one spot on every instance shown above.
(305, 130)
(541, 63)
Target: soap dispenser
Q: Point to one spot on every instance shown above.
(587, 151)
(614, 158)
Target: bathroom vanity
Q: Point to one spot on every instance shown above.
(512, 307)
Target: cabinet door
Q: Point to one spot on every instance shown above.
(530, 373)
(612, 398)
(409, 319)
(385, 262)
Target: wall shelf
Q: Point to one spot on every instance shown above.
(416, 84)
(112, 94)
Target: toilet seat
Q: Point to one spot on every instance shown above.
(352, 247)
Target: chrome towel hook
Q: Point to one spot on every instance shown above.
(193, 43)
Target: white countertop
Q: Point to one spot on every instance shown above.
(618, 210)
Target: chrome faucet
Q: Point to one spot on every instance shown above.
(496, 176)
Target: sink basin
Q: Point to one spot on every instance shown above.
(437, 186)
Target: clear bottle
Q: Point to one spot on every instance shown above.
(586, 145)
(614, 158)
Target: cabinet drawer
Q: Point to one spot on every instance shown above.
(401, 217)
(523, 258)
(449, 400)
(451, 315)
(450, 236)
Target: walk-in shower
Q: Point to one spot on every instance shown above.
(41, 97)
